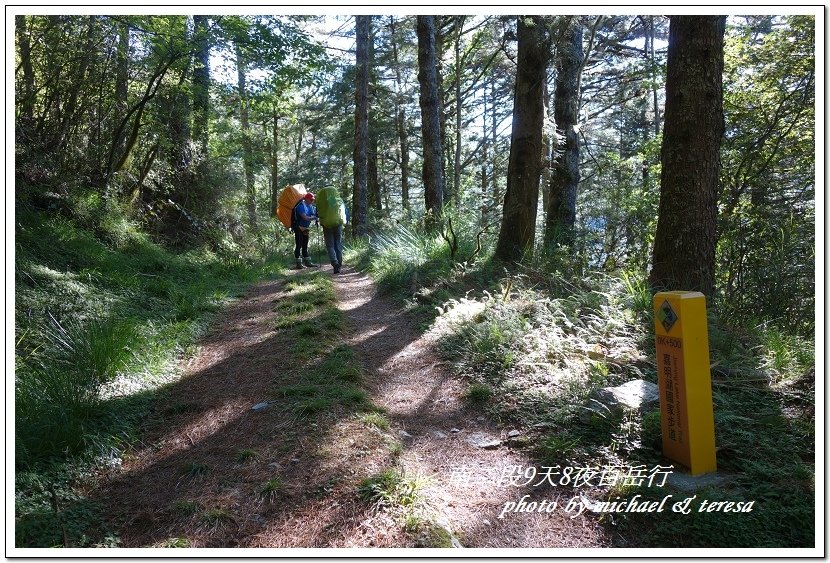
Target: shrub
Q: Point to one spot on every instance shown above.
(58, 387)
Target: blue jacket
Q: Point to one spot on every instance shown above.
(306, 209)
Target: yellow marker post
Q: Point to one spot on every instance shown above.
(686, 414)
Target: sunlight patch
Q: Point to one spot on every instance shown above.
(366, 334)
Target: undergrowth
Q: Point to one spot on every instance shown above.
(102, 313)
(535, 342)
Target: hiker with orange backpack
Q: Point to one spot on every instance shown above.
(303, 215)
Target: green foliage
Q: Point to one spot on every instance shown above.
(478, 393)
(217, 517)
(766, 250)
(506, 339)
(50, 512)
(571, 338)
(195, 469)
(58, 384)
(785, 356)
(271, 489)
(330, 375)
(185, 507)
(391, 489)
(376, 419)
(172, 543)
(245, 455)
(427, 532)
(101, 316)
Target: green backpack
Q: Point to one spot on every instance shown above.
(330, 208)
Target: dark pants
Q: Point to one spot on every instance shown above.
(333, 237)
(300, 243)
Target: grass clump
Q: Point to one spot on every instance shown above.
(419, 265)
(271, 488)
(391, 489)
(556, 448)
(375, 419)
(328, 384)
(216, 517)
(60, 380)
(195, 469)
(175, 543)
(313, 405)
(246, 455)
(478, 393)
(186, 507)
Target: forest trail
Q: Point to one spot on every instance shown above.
(192, 484)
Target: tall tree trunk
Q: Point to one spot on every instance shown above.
(26, 97)
(69, 109)
(122, 78)
(494, 129)
(654, 92)
(372, 182)
(361, 126)
(275, 170)
(247, 152)
(201, 84)
(485, 184)
(430, 101)
(548, 138)
(518, 228)
(456, 176)
(684, 244)
(561, 211)
(438, 25)
(400, 119)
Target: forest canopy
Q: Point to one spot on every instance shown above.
(192, 124)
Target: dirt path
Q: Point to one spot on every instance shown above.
(197, 481)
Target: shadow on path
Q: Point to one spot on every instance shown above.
(202, 473)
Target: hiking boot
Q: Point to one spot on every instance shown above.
(299, 264)
(308, 263)
(337, 268)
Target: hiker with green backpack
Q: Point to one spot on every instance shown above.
(331, 212)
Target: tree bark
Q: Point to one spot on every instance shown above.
(561, 210)
(361, 128)
(400, 119)
(76, 89)
(518, 228)
(26, 98)
(654, 92)
(122, 78)
(275, 146)
(494, 130)
(201, 84)
(430, 102)
(372, 181)
(684, 244)
(459, 64)
(247, 152)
